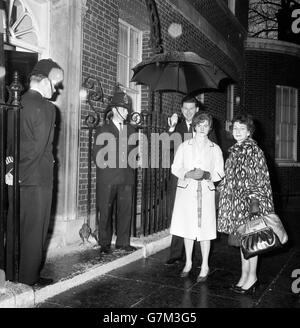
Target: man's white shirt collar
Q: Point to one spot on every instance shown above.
(117, 124)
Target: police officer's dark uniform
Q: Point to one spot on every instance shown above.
(115, 181)
(37, 122)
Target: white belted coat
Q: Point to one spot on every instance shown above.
(207, 156)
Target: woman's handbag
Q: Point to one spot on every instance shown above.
(261, 235)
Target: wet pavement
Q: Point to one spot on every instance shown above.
(77, 261)
(149, 283)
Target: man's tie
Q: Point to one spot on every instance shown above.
(190, 128)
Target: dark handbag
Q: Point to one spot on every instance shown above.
(261, 235)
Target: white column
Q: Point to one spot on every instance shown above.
(66, 49)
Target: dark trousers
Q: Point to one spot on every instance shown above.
(107, 195)
(35, 209)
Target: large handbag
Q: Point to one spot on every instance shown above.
(261, 235)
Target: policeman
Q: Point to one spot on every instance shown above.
(115, 178)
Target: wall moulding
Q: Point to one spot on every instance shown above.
(275, 46)
(155, 36)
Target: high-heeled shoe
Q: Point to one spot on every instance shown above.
(184, 274)
(250, 291)
(203, 278)
(234, 287)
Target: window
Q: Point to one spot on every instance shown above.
(286, 124)
(26, 26)
(231, 6)
(129, 54)
(229, 106)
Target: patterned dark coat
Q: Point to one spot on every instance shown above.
(246, 176)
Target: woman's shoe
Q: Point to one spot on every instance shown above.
(235, 287)
(251, 290)
(203, 278)
(184, 273)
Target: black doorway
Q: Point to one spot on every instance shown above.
(23, 62)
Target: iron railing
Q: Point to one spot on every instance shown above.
(155, 201)
(10, 124)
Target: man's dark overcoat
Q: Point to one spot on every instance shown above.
(37, 122)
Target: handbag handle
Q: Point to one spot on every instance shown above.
(261, 217)
(249, 217)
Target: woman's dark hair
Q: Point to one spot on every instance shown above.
(200, 117)
(244, 119)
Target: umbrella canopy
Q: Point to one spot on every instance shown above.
(183, 72)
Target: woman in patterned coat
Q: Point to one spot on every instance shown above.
(246, 182)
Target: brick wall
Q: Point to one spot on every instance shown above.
(223, 21)
(192, 39)
(99, 57)
(265, 70)
(100, 40)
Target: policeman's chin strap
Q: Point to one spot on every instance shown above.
(125, 120)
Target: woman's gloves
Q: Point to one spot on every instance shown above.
(198, 174)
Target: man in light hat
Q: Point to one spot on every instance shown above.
(115, 179)
(37, 121)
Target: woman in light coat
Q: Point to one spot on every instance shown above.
(198, 163)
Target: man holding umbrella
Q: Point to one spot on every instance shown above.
(186, 73)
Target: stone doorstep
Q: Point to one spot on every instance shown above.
(16, 295)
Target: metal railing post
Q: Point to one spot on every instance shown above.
(94, 91)
(2, 184)
(15, 90)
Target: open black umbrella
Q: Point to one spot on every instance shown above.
(183, 72)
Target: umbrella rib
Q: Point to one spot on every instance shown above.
(160, 76)
(214, 83)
